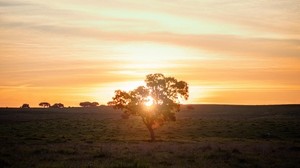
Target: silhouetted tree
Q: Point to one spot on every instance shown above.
(44, 104)
(25, 106)
(57, 105)
(165, 93)
(84, 104)
(88, 104)
(94, 104)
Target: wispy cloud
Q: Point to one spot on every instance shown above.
(233, 45)
(12, 3)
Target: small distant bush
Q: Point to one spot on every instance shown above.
(25, 106)
(89, 104)
(57, 105)
(44, 104)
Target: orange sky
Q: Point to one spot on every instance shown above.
(69, 51)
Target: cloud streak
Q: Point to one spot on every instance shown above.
(96, 45)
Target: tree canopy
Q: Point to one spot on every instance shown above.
(44, 104)
(164, 93)
(25, 106)
(57, 105)
(89, 104)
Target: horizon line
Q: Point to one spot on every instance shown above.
(213, 104)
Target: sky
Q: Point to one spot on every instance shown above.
(70, 51)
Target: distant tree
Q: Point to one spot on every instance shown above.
(155, 104)
(25, 106)
(85, 104)
(44, 104)
(88, 104)
(94, 104)
(57, 105)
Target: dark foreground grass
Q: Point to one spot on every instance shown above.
(215, 136)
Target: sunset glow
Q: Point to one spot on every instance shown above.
(149, 101)
(69, 51)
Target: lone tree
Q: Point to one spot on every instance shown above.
(44, 104)
(155, 103)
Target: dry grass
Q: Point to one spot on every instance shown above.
(206, 136)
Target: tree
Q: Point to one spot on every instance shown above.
(25, 106)
(89, 104)
(44, 104)
(94, 104)
(57, 105)
(155, 103)
(84, 104)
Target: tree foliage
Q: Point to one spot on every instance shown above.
(25, 106)
(44, 104)
(57, 105)
(166, 93)
(89, 104)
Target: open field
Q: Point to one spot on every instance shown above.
(207, 136)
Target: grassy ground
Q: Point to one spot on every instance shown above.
(208, 136)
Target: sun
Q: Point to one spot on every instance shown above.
(149, 101)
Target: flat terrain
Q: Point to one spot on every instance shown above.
(205, 136)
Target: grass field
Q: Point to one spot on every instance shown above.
(207, 136)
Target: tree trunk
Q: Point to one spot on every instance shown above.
(151, 131)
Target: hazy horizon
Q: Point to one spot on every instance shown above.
(70, 51)
(36, 106)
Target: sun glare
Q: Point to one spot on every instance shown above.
(149, 101)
